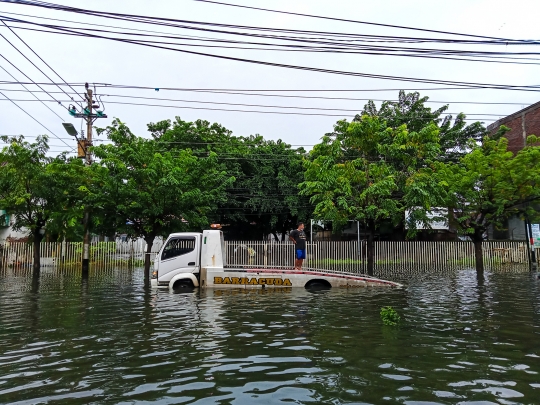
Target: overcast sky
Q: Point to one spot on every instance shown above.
(80, 60)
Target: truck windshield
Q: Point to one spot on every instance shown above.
(178, 247)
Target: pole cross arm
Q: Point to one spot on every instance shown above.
(98, 114)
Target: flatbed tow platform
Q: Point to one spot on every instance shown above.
(195, 260)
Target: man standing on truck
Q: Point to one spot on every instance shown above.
(298, 237)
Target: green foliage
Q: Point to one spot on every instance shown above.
(369, 172)
(389, 316)
(490, 184)
(155, 190)
(267, 189)
(264, 197)
(410, 110)
(39, 191)
(143, 189)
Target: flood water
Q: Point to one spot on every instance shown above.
(111, 341)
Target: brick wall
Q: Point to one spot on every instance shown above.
(522, 124)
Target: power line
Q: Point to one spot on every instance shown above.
(350, 21)
(287, 96)
(341, 48)
(31, 92)
(275, 106)
(254, 111)
(264, 63)
(251, 90)
(27, 113)
(141, 18)
(355, 110)
(348, 36)
(17, 49)
(41, 59)
(177, 142)
(496, 57)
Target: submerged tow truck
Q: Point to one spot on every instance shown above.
(198, 260)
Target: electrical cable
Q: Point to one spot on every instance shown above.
(135, 17)
(41, 59)
(338, 47)
(31, 116)
(120, 86)
(418, 52)
(250, 111)
(17, 49)
(306, 68)
(515, 61)
(356, 110)
(347, 20)
(338, 72)
(33, 82)
(31, 92)
(287, 96)
(378, 38)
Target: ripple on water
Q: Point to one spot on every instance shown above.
(112, 341)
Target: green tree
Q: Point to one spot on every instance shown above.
(490, 184)
(370, 172)
(264, 198)
(41, 192)
(146, 191)
(411, 110)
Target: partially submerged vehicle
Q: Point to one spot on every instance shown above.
(198, 260)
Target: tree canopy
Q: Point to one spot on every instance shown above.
(42, 193)
(264, 198)
(147, 191)
(411, 110)
(368, 171)
(490, 184)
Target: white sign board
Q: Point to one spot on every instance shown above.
(536, 235)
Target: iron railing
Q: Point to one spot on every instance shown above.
(329, 255)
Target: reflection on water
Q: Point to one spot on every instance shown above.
(108, 340)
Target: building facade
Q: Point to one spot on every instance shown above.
(523, 123)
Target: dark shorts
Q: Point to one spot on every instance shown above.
(300, 254)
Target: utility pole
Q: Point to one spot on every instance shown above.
(84, 152)
(88, 155)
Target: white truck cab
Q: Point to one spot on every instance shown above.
(190, 260)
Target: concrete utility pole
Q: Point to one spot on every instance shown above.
(88, 155)
(84, 152)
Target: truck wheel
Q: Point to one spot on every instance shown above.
(183, 286)
(318, 285)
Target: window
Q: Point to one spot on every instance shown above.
(178, 247)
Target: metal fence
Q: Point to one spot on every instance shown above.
(118, 254)
(393, 257)
(388, 256)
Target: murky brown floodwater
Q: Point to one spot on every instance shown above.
(110, 341)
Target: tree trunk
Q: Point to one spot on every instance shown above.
(479, 258)
(36, 267)
(37, 238)
(149, 243)
(370, 249)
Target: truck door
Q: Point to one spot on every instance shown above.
(179, 255)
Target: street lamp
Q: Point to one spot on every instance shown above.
(82, 144)
(70, 129)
